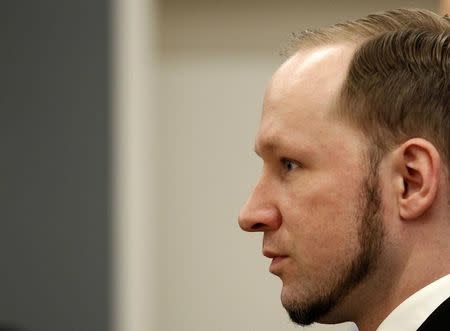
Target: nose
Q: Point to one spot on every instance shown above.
(260, 212)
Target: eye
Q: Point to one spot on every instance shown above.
(289, 165)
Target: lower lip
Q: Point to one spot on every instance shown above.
(276, 262)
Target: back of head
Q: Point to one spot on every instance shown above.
(398, 83)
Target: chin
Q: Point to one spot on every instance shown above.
(307, 307)
(297, 305)
(308, 313)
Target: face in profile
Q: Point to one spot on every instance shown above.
(317, 201)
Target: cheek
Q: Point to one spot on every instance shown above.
(323, 226)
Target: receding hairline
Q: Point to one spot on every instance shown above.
(337, 57)
(359, 30)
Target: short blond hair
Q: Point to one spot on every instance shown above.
(398, 82)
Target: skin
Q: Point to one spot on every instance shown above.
(312, 203)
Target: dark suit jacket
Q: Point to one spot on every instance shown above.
(439, 320)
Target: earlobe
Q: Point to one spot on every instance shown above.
(419, 166)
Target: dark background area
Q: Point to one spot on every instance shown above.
(54, 175)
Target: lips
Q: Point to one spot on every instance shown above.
(276, 265)
(277, 260)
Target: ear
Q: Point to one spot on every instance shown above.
(418, 168)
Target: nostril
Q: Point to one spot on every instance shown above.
(257, 227)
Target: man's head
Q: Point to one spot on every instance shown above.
(353, 133)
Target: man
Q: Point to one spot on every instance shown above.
(353, 200)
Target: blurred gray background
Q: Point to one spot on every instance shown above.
(54, 168)
(121, 178)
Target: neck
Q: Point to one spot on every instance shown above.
(397, 280)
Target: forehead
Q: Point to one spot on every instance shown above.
(302, 95)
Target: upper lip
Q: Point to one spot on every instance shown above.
(271, 254)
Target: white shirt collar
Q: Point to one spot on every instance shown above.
(412, 312)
